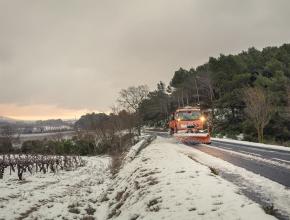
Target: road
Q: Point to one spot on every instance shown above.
(271, 163)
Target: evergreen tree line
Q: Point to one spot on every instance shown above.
(220, 85)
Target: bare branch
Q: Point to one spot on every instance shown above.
(131, 97)
(258, 109)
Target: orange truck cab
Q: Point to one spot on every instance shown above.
(192, 122)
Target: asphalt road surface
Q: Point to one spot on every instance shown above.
(270, 163)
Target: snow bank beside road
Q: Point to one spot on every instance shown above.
(269, 146)
(146, 140)
(163, 183)
(270, 191)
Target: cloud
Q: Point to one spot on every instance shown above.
(78, 54)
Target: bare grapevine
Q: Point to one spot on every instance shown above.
(37, 163)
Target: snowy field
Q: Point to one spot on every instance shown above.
(65, 195)
(163, 181)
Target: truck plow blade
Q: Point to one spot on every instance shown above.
(201, 138)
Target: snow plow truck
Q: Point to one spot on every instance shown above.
(190, 124)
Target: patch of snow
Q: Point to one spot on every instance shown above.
(240, 137)
(162, 182)
(145, 140)
(269, 146)
(253, 156)
(277, 193)
(56, 196)
(134, 150)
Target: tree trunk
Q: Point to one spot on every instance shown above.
(20, 172)
(182, 98)
(233, 112)
(260, 134)
(211, 125)
(197, 91)
(1, 172)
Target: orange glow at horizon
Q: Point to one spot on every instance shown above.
(40, 112)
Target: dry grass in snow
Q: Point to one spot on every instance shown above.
(163, 183)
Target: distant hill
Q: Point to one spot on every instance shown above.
(51, 122)
(4, 119)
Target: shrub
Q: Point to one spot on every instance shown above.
(214, 171)
(90, 210)
(270, 210)
(33, 146)
(5, 145)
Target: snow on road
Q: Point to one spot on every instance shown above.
(253, 156)
(253, 144)
(65, 195)
(164, 183)
(274, 192)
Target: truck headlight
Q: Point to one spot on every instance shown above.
(202, 118)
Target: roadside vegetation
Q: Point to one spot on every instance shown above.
(247, 94)
(95, 134)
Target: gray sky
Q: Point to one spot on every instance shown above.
(65, 57)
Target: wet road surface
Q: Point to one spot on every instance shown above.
(270, 163)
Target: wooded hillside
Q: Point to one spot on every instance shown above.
(220, 85)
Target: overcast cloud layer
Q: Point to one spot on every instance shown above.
(77, 55)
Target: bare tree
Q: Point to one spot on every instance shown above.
(206, 85)
(258, 109)
(132, 97)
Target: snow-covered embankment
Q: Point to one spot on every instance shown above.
(164, 183)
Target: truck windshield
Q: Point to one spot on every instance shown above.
(188, 116)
